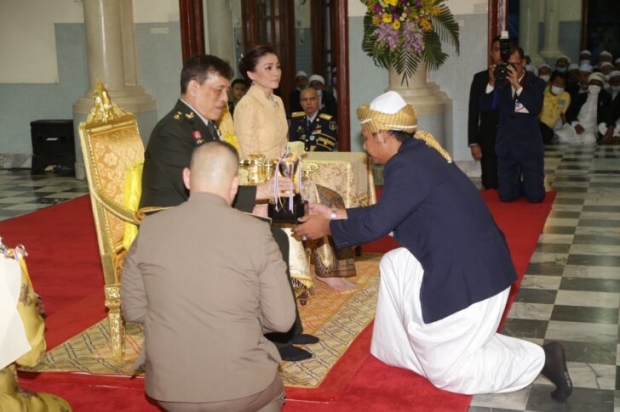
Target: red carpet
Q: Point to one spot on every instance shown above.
(65, 268)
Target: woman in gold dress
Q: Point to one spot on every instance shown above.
(261, 127)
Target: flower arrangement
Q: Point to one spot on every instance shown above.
(403, 33)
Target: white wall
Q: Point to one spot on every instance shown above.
(27, 36)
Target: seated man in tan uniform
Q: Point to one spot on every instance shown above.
(206, 297)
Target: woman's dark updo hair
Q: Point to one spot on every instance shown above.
(250, 59)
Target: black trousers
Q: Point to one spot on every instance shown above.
(283, 339)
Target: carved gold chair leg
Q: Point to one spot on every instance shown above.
(115, 320)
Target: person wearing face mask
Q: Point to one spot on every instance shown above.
(555, 104)
(611, 131)
(544, 72)
(585, 56)
(561, 64)
(582, 81)
(585, 113)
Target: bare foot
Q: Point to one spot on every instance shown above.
(339, 284)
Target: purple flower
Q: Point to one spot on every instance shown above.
(378, 8)
(386, 34)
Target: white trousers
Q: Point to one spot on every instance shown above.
(461, 353)
(567, 134)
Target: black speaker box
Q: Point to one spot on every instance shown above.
(53, 143)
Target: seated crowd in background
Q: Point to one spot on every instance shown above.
(581, 103)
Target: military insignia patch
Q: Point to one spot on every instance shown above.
(333, 125)
(198, 137)
(189, 115)
(177, 115)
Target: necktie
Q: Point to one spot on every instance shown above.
(309, 123)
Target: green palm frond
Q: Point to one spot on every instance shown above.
(446, 27)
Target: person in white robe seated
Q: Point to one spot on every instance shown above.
(442, 294)
(586, 113)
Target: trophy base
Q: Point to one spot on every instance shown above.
(284, 215)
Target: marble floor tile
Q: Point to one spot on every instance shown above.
(610, 240)
(546, 238)
(589, 299)
(535, 311)
(604, 231)
(584, 314)
(595, 272)
(525, 328)
(581, 332)
(541, 282)
(590, 352)
(581, 400)
(548, 247)
(536, 296)
(591, 285)
(593, 260)
(506, 401)
(545, 268)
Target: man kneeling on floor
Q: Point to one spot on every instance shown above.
(442, 295)
(207, 296)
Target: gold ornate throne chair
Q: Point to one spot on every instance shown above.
(112, 148)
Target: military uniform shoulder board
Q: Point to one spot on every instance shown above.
(298, 114)
(325, 116)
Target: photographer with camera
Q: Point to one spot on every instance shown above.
(518, 96)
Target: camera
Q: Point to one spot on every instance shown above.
(501, 70)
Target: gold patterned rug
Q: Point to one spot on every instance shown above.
(335, 317)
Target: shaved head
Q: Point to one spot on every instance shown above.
(213, 169)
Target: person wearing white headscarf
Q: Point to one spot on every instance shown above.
(586, 112)
(442, 294)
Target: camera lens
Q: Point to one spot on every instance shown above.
(501, 71)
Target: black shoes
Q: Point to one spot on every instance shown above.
(556, 371)
(304, 339)
(293, 354)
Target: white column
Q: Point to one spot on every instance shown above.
(528, 29)
(220, 31)
(551, 47)
(111, 54)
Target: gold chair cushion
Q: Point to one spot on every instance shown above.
(114, 153)
(131, 200)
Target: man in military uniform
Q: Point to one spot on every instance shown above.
(317, 130)
(205, 81)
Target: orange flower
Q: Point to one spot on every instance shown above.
(435, 10)
(425, 24)
(375, 20)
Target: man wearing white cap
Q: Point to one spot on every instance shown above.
(301, 82)
(611, 131)
(572, 78)
(561, 64)
(585, 70)
(442, 295)
(586, 112)
(585, 56)
(327, 102)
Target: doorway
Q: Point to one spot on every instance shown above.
(273, 21)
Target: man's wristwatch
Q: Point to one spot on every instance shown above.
(334, 213)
